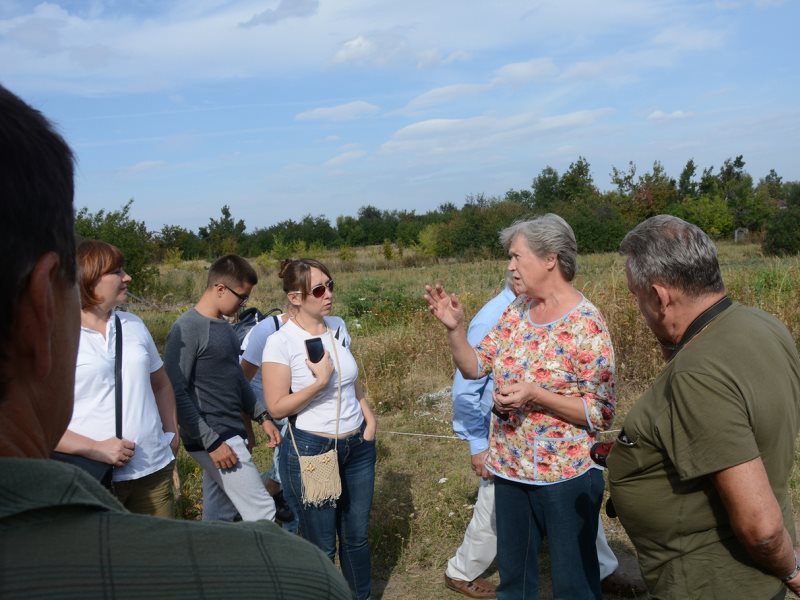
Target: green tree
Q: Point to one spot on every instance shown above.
(223, 235)
(625, 180)
(709, 213)
(773, 183)
(791, 193)
(173, 237)
(576, 183)
(546, 189)
(117, 227)
(783, 232)
(687, 186)
(736, 187)
(655, 191)
(597, 223)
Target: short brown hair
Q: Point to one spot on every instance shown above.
(232, 270)
(95, 259)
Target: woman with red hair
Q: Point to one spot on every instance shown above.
(144, 458)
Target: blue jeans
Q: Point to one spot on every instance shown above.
(349, 515)
(566, 513)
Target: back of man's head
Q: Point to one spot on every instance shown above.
(671, 252)
(232, 270)
(36, 212)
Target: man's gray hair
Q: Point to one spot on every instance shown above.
(669, 251)
(545, 235)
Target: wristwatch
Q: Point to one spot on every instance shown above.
(794, 573)
(261, 417)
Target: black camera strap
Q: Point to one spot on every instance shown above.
(701, 321)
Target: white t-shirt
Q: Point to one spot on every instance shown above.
(287, 347)
(94, 412)
(253, 348)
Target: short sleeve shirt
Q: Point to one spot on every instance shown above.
(731, 395)
(94, 412)
(287, 347)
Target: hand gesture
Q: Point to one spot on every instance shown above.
(273, 433)
(479, 465)
(514, 396)
(224, 457)
(322, 370)
(114, 451)
(444, 306)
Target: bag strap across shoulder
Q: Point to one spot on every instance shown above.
(338, 398)
(118, 376)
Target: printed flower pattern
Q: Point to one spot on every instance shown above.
(572, 356)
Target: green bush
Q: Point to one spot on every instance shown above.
(598, 225)
(783, 232)
(709, 213)
(130, 236)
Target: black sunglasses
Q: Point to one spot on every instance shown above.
(243, 298)
(318, 291)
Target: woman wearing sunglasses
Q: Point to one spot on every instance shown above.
(327, 410)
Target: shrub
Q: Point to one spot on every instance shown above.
(783, 232)
(130, 236)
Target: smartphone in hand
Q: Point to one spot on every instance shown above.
(315, 349)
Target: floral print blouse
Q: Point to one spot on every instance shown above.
(572, 356)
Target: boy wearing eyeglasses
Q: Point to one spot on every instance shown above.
(211, 393)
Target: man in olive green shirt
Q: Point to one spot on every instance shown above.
(699, 474)
(62, 535)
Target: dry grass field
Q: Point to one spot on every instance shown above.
(424, 488)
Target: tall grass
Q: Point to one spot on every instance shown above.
(424, 488)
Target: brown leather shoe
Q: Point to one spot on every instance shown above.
(477, 588)
(619, 584)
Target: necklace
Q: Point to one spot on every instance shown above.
(297, 322)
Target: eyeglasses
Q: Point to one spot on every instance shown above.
(318, 291)
(243, 298)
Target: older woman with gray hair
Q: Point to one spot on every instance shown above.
(553, 365)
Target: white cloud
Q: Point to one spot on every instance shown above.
(523, 72)
(447, 136)
(144, 166)
(343, 112)
(432, 57)
(286, 9)
(343, 158)
(688, 38)
(446, 94)
(675, 115)
(378, 49)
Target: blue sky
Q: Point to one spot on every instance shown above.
(283, 108)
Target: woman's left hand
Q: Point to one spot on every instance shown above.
(273, 433)
(514, 396)
(370, 430)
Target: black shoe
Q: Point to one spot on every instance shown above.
(283, 513)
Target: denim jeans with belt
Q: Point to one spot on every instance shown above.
(349, 515)
(566, 513)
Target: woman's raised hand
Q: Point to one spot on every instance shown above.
(444, 306)
(322, 370)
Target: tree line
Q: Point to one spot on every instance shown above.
(720, 201)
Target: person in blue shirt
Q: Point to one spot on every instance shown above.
(472, 404)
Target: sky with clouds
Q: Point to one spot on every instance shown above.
(283, 108)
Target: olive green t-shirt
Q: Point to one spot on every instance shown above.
(730, 395)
